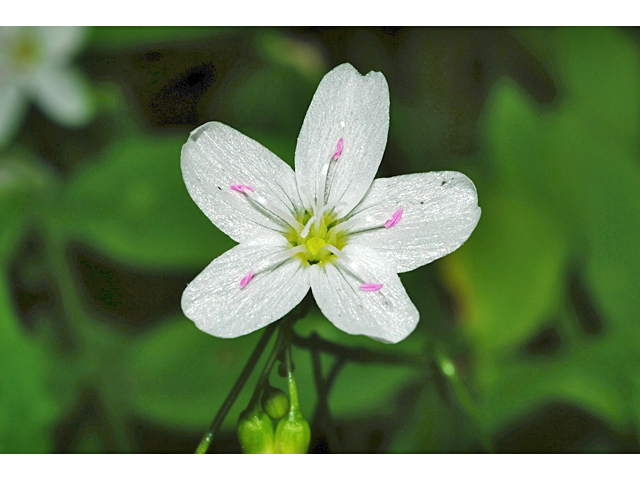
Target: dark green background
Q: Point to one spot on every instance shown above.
(539, 309)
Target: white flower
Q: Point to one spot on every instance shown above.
(328, 226)
(34, 65)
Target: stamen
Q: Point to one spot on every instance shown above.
(395, 218)
(338, 149)
(247, 279)
(267, 205)
(241, 188)
(272, 262)
(307, 227)
(323, 179)
(351, 267)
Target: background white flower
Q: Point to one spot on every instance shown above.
(35, 65)
(327, 226)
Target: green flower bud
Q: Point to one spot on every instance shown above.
(255, 431)
(292, 434)
(275, 403)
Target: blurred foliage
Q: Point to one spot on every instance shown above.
(537, 310)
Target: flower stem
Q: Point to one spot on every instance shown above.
(293, 391)
(294, 315)
(449, 371)
(357, 355)
(268, 366)
(204, 444)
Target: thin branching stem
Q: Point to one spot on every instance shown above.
(447, 368)
(296, 314)
(207, 438)
(356, 355)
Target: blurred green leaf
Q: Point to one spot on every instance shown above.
(110, 38)
(270, 100)
(512, 272)
(21, 181)
(567, 195)
(28, 410)
(180, 376)
(133, 205)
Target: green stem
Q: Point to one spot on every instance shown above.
(294, 315)
(293, 391)
(449, 371)
(207, 438)
(357, 355)
(266, 371)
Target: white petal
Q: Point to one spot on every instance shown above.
(387, 314)
(217, 156)
(217, 304)
(12, 108)
(59, 44)
(63, 94)
(440, 210)
(355, 108)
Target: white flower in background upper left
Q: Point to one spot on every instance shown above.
(35, 65)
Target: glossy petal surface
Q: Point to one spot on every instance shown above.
(217, 156)
(355, 108)
(387, 314)
(440, 210)
(216, 303)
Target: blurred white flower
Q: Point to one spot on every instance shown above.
(35, 65)
(328, 226)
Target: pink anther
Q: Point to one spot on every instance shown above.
(241, 188)
(395, 218)
(247, 279)
(338, 149)
(371, 287)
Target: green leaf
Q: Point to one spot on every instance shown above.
(29, 412)
(510, 272)
(21, 181)
(180, 376)
(566, 195)
(110, 38)
(132, 204)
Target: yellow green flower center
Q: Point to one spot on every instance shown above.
(26, 51)
(321, 234)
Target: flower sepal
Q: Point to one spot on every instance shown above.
(293, 433)
(255, 431)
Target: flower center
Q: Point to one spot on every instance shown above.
(25, 51)
(318, 239)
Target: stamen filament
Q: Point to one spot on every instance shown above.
(271, 262)
(267, 205)
(323, 180)
(307, 227)
(351, 267)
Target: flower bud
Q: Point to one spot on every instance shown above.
(292, 434)
(255, 431)
(275, 403)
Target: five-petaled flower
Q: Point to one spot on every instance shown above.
(328, 226)
(34, 64)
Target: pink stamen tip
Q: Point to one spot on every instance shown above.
(338, 149)
(395, 218)
(241, 188)
(247, 279)
(371, 287)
